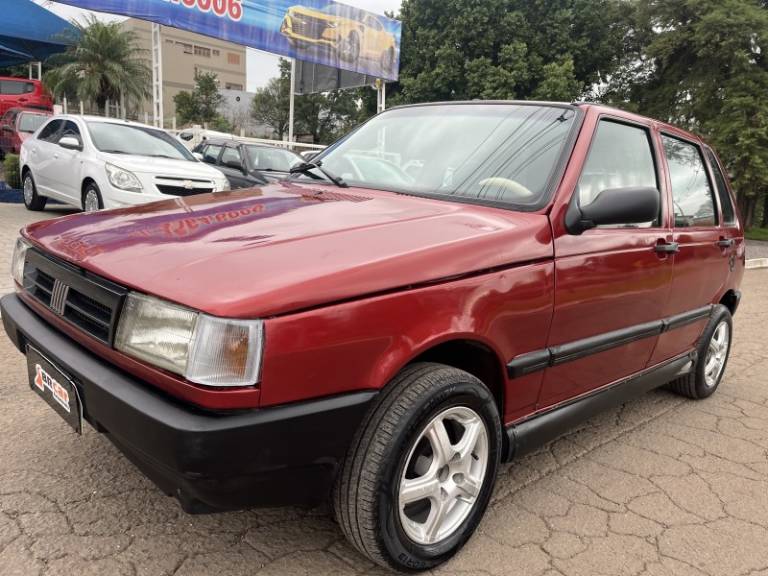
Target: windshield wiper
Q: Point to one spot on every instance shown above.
(306, 168)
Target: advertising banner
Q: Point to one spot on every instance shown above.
(317, 31)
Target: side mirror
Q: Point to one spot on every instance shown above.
(198, 156)
(614, 206)
(70, 143)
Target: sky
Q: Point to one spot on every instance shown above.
(260, 66)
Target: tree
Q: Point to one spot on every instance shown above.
(702, 64)
(271, 104)
(104, 63)
(201, 106)
(505, 49)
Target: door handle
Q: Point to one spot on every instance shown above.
(726, 242)
(667, 247)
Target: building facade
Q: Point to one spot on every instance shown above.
(184, 54)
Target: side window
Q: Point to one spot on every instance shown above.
(620, 156)
(50, 130)
(231, 158)
(211, 154)
(692, 197)
(729, 214)
(16, 87)
(71, 129)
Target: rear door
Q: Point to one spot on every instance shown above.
(612, 283)
(702, 259)
(7, 129)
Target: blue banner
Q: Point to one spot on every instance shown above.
(319, 31)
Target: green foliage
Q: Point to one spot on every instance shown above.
(702, 64)
(11, 169)
(201, 106)
(104, 63)
(322, 117)
(505, 49)
(757, 234)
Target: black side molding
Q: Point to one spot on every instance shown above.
(528, 435)
(555, 355)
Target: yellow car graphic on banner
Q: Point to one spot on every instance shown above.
(352, 34)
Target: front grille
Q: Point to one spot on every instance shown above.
(181, 191)
(308, 27)
(88, 302)
(175, 186)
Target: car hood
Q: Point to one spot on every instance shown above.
(163, 166)
(286, 247)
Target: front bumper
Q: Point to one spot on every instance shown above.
(286, 455)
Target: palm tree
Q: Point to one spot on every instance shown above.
(104, 63)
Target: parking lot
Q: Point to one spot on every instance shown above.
(659, 486)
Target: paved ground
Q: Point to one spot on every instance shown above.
(757, 249)
(658, 487)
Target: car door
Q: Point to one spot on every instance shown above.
(231, 163)
(64, 168)
(41, 156)
(7, 127)
(704, 248)
(612, 283)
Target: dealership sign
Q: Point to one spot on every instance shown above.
(317, 31)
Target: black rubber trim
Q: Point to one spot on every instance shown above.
(555, 355)
(680, 320)
(273, 456)
(736, 301)
(528, 435)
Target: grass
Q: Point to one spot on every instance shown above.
(757, 234)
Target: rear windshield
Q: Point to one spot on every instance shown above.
(31, 122)
(483, 152)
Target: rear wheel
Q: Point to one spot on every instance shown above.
(420, 472)
(31, 199)
(349, 50)
(712, 357)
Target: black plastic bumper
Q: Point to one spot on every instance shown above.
(287, 455)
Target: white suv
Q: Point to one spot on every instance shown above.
(95, 163)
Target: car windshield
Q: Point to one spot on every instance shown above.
(31, 122)
(272, 159)
(485, 152)
(136, 140)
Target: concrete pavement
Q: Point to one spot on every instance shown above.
(657, 487)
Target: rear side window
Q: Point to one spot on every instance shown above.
(16, 87)
(729, 214)
(211, 154)
(50, 130)
(620, 156)
(692, 197)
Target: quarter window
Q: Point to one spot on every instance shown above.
(620, 157)
(692, 197)
(50, 130)
(729, 214)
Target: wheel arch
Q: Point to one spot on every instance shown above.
(731, 300)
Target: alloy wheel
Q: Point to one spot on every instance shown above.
(717, 354)
(443, 475)
(29, 190)
(91, 200)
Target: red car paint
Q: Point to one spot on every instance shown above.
(23, 93)
(355, 284)
(15, 128)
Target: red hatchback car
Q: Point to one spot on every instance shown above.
(448, 287)
(23, 93)
(16, 126)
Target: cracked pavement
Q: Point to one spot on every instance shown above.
(656, 487)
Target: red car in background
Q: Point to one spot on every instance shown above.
(23, 93)
(16, 126)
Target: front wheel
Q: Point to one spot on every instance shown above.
(420, 472)
(92, 201)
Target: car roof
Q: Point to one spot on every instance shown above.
(225, 141)
(104, 120)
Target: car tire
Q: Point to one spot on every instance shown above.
(32, 200)
(350, 48)
(713, 351)
(92, 201)
(395, 446)
(388, 61)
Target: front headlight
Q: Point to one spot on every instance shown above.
(19, 257)
(122, 179)
(204, 349)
